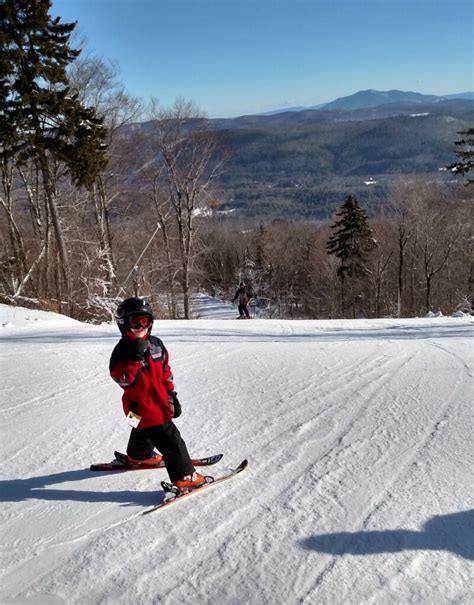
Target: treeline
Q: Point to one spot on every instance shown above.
(420, 259)
(92, 211)
(287, 198)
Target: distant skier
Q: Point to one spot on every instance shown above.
(139, 364)
(244, 296)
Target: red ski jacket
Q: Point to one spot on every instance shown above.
(146, 384)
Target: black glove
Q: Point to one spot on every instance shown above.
(174, 404)
(137, 349)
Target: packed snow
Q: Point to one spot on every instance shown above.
(360, 480)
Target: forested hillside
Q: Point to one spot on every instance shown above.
(302, 164)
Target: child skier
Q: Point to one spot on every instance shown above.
(139, 364)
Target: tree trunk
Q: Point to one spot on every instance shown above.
(428, 293)
(31, 271)
(343, 302)
(103, 224)
(63, 255)
(402, 240)
(16, 239)
(173, 307)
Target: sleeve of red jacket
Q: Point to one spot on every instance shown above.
(124, 371)
(167, 374)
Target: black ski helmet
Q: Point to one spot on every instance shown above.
(133, 306)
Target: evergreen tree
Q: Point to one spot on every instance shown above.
(39, 118)
(351, 242)
(465, 152)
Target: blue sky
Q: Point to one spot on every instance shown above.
(234, 57)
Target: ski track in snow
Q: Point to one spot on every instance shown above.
(380, 499)
(359, 440)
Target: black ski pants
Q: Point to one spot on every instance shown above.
(168, 441)
(243, 309)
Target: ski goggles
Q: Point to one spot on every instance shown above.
(136, 322)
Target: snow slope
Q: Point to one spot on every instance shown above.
(359, 487)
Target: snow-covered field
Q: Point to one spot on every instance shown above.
(359, 436)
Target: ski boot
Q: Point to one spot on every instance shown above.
(154, 460)
(190, 481)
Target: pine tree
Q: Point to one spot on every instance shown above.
(465, 152)
(39, 118)
(351, 242)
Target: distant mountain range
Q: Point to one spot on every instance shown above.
(363, 105)
(375, 98)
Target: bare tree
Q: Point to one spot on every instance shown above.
(163, 211)
(435, 231)
(402, 197)
(96, 83)
(191, 159)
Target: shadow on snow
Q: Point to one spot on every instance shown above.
(453, 533)
(36, 488)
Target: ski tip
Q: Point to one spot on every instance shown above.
(243, 465)
(207, 461)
